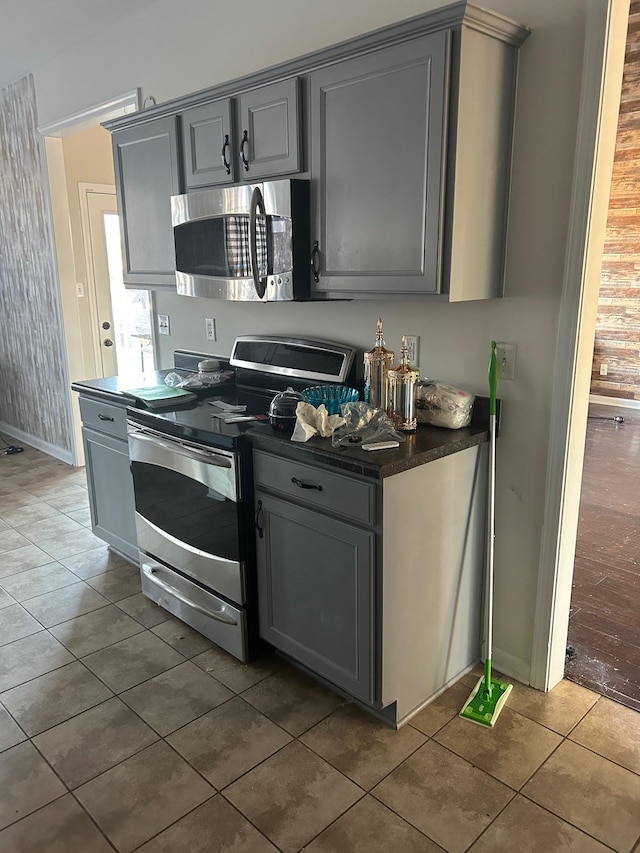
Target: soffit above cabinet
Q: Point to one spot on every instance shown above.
(455, 15)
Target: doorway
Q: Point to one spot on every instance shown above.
(121, 319)
(603, 650)
(78, 150)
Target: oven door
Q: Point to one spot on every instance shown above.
(188, 508)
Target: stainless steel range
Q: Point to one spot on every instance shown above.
(194, 491)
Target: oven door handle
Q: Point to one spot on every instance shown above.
(218, 615)
(206, 456)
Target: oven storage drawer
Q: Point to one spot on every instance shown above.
(213, 617)
(106, 417)
(316, 487)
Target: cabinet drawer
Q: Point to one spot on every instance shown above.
(105, 417)
(336, 493)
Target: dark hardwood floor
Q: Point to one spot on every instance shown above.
(604, 627)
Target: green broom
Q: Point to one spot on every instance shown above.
(489, 695)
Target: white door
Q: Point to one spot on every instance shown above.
(121, 319)
(100, 205)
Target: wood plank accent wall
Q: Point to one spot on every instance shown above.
(34, 393)
(617, 340)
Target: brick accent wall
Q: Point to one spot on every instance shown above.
(617, 341)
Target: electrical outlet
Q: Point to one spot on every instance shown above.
(163, 324)
(604, 369)
(210, 325)
(413, 343)
(506, 355)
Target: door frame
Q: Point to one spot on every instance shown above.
(603, 63)
(57, 208)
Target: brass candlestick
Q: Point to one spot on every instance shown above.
(377, 363)
(402, 392)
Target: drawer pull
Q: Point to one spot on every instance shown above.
(219, 615)
(102, 417)
(302, 485)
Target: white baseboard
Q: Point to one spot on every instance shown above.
(50, 449)
(614, 401)
(511, 666)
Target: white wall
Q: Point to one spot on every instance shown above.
(173, 48)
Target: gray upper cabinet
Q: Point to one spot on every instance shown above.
(407, 143)
(254, 136)
(208, 145)
(377, 155)
(146, 160)
(269, 130)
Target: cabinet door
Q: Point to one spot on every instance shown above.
(110, 491)
(315, 592)
(378, 129)
(208, 145)
(268, 139)
(146, 159)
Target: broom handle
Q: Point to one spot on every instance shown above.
(493, 378)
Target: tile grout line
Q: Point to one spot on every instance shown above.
(564, 737)
(566, 820)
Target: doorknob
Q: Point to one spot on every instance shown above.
(106, 325)
(108, 342)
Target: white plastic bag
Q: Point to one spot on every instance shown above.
(443, 405)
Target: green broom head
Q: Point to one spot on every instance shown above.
(483, 706)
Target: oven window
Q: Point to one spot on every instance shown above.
(187, 510)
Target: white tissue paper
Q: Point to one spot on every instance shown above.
(311, 421)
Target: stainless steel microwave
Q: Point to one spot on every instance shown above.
(244, 243)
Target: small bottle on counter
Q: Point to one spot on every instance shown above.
(403, 382)
(377, 363)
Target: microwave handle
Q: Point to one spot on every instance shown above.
(257, 203)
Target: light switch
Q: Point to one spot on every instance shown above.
(163, 324)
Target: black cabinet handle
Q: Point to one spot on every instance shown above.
(315, 262)
(258, 514)
(245, 141)
(302, 485)
(225, 162)
(102, 417)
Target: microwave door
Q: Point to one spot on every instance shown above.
(213, 245)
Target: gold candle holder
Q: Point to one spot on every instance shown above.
(403, 381)
(377, 363)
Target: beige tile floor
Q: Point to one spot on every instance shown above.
(120, 728)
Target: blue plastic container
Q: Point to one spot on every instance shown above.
(333, 396)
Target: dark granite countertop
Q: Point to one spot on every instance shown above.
(425, 445)
(115, 386)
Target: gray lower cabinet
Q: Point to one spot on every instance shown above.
(106, 451)
(373, 584)
(315, 587)
(147, 170)
(378, 132)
